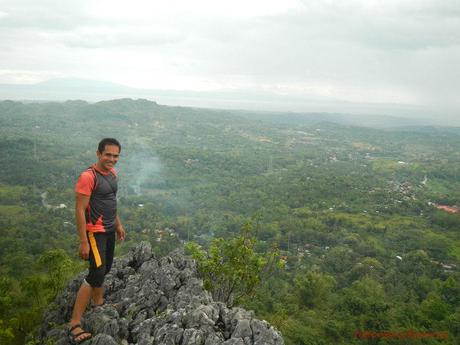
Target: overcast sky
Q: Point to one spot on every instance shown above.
(383, 51)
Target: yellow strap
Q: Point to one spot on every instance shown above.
(93, 244)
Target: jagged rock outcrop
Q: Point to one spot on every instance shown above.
(152, 300)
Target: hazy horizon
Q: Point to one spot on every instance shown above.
(389, 58)
(64, 89)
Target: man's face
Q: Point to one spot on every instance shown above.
(109, 157)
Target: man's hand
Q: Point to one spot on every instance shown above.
(84, 250)
(121, 233)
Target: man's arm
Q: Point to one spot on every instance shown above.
(81, 203)
(119, 228)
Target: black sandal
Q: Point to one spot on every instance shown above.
(73, 337)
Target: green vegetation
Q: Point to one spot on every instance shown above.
(350, 209)
(232, 270)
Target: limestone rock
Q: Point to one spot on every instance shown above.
(159, 301)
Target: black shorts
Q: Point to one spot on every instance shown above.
(102, 247)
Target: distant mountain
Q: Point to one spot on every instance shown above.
(63, 89)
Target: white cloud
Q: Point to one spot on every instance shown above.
(146, 9)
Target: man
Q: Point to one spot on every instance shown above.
(97, 222)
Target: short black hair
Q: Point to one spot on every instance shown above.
(108, 141)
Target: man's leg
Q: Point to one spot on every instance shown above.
(82, 300)
(92, 282)
(98, 296)
(98, 293)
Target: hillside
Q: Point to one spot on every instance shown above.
(351, 208)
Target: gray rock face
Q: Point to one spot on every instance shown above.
(158, 301)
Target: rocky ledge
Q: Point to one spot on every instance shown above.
(152, 300)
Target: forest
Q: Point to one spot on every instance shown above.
(354, 212)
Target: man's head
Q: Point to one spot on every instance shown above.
(108, 141)
(108, 152)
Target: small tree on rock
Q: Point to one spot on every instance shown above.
(231, 269)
